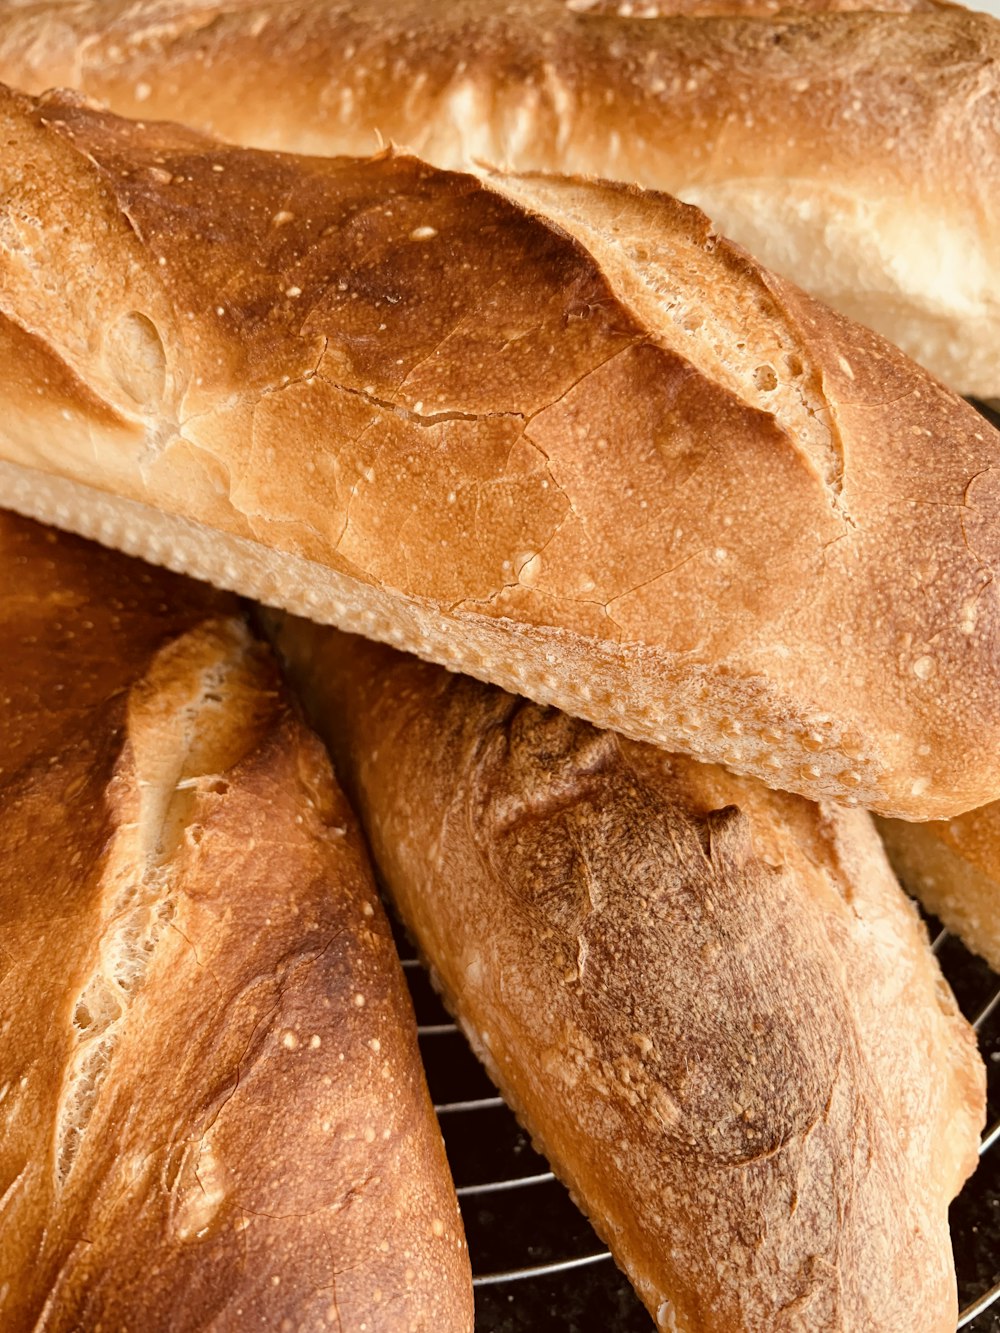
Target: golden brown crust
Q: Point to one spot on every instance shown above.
(812, 137)
(953, 867)
(723, 1025)
(214, 1112)
(63, 602)
(555, 433)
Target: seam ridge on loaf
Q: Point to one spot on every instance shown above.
(89, 391)
(142, 911)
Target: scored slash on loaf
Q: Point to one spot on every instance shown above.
(814, 133)
(551, 432)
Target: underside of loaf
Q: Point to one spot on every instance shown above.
(629, 692)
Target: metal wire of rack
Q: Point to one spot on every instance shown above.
(537, 1265)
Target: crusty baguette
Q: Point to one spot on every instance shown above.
(554, 433)
(709, 1002)
(953, 867)
(213, 1112)
(856, 152)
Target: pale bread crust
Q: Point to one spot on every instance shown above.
(953, 867)
(202, 1125)
(709, 1002)
(815, 136)
(553, 433)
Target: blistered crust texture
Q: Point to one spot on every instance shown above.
(214, 1114)
(710, 1003)
(813, 135)
(554, 433)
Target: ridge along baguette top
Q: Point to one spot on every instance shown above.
(816, 136)
(710, 1003)
(552, 432)
(202, 1127)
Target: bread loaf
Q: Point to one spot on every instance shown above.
(554, 433)
(953, 867)
(213, 1112)
(853, 147)
(709, 1002)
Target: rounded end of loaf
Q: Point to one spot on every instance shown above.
(951, 867)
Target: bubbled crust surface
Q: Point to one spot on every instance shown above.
(214, 1114)
(723, 1025)
(813, 135)
(554, 433)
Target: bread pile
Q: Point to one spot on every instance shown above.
(555, 433)
(813, 133)
(649, 483)
(709, 1001)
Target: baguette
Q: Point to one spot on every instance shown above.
(856, 152)
(953, 867)
(553, 433)
(203, 1126)
(708, 1002)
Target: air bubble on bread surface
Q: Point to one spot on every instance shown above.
(199, 1192)
(134, 356)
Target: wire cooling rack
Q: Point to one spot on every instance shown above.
(537, 1264)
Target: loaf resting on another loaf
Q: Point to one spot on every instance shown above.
(554, 433)
(815, 132)
(213, 1110)
(709, 1002)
